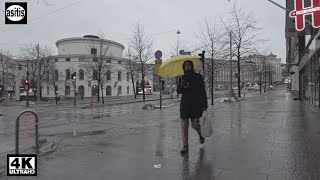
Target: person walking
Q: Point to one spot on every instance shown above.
(193, 102)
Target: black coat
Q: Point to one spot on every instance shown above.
(194, 98)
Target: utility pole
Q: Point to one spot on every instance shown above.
(39, 73)
(28, 83)
(231, 92)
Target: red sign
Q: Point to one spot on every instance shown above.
(300, 12)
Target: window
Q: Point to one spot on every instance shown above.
(108, 60)
(128, 76)
(48, 90)
(93, 50)
(81, 74)
(47, 76)
(119, 62)
(128, 89)
(81, 91)
(67, 59)
(67, 74)
(67, 91)
(56, 60)
(95, 75)
(108, 75)
(56, 75)
(108, 91)
(119, 76)
(119, 90)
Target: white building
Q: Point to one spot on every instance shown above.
(75, 55)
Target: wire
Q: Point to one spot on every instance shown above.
(52, 12)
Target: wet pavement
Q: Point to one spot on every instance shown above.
(267, 137)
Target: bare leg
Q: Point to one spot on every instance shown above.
(196, 125)
(184, 130)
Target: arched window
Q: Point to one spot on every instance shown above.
(119, 90)
(67, 91)
(56, 75)
(128, 76)
(128, 89)
(108, 91)
(81, 74)
(94, 90)
(48, 90)
(81, 91)
(67, 74)
(108, 75)
(119, 76)
(95, 75)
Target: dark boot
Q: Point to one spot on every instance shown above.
(201, 140)
(185, 149)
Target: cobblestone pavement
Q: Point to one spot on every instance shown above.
(267, 137)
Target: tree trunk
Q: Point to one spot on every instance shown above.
(239, 80)
(102, 94)
(134, 90)
(143, 92)
(98, 93)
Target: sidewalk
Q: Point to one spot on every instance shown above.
(269, 136)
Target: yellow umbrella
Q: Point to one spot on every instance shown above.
(173, 67)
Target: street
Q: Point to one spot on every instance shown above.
(269, 136)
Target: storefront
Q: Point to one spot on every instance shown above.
(309, 81)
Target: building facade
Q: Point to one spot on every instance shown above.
(91, 59)
(303, 60)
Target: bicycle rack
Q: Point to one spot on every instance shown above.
(17, 128)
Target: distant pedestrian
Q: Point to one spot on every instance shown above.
(193, 102)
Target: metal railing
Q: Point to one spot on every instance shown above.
(36, 129)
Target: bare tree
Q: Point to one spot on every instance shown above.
(6, 67)
(245, 37)
(101, 63)
(141, 45)
(38, 63)
(132, 67)
(209, 36)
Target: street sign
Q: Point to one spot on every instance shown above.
(158, 54)
(236, 75)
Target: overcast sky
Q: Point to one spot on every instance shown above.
(115, 18)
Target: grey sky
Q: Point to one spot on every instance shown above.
(115, 19)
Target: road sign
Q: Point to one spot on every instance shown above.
(236, 75)
(158, 54)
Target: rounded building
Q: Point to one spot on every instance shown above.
(92, 59)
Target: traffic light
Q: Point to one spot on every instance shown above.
(73, 76)
(26, 82)
(201, 55)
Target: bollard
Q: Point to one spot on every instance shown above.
(36, 129)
